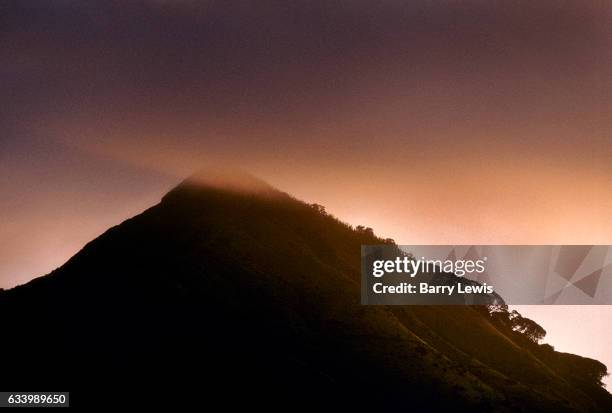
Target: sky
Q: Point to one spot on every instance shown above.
(448, 122)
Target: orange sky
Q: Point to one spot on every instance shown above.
(449, 122)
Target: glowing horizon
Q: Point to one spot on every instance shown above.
(450, 123)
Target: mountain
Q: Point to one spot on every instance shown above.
(229, 291)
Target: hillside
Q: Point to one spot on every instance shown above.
(230, 290)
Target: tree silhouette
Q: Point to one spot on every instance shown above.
(532, 330)
(319, 208)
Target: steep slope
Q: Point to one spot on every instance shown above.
(233, 291)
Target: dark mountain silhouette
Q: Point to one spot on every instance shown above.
(230, 291)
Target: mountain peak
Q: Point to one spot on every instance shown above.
(233, 180)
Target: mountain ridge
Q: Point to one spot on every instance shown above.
(253, 286)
